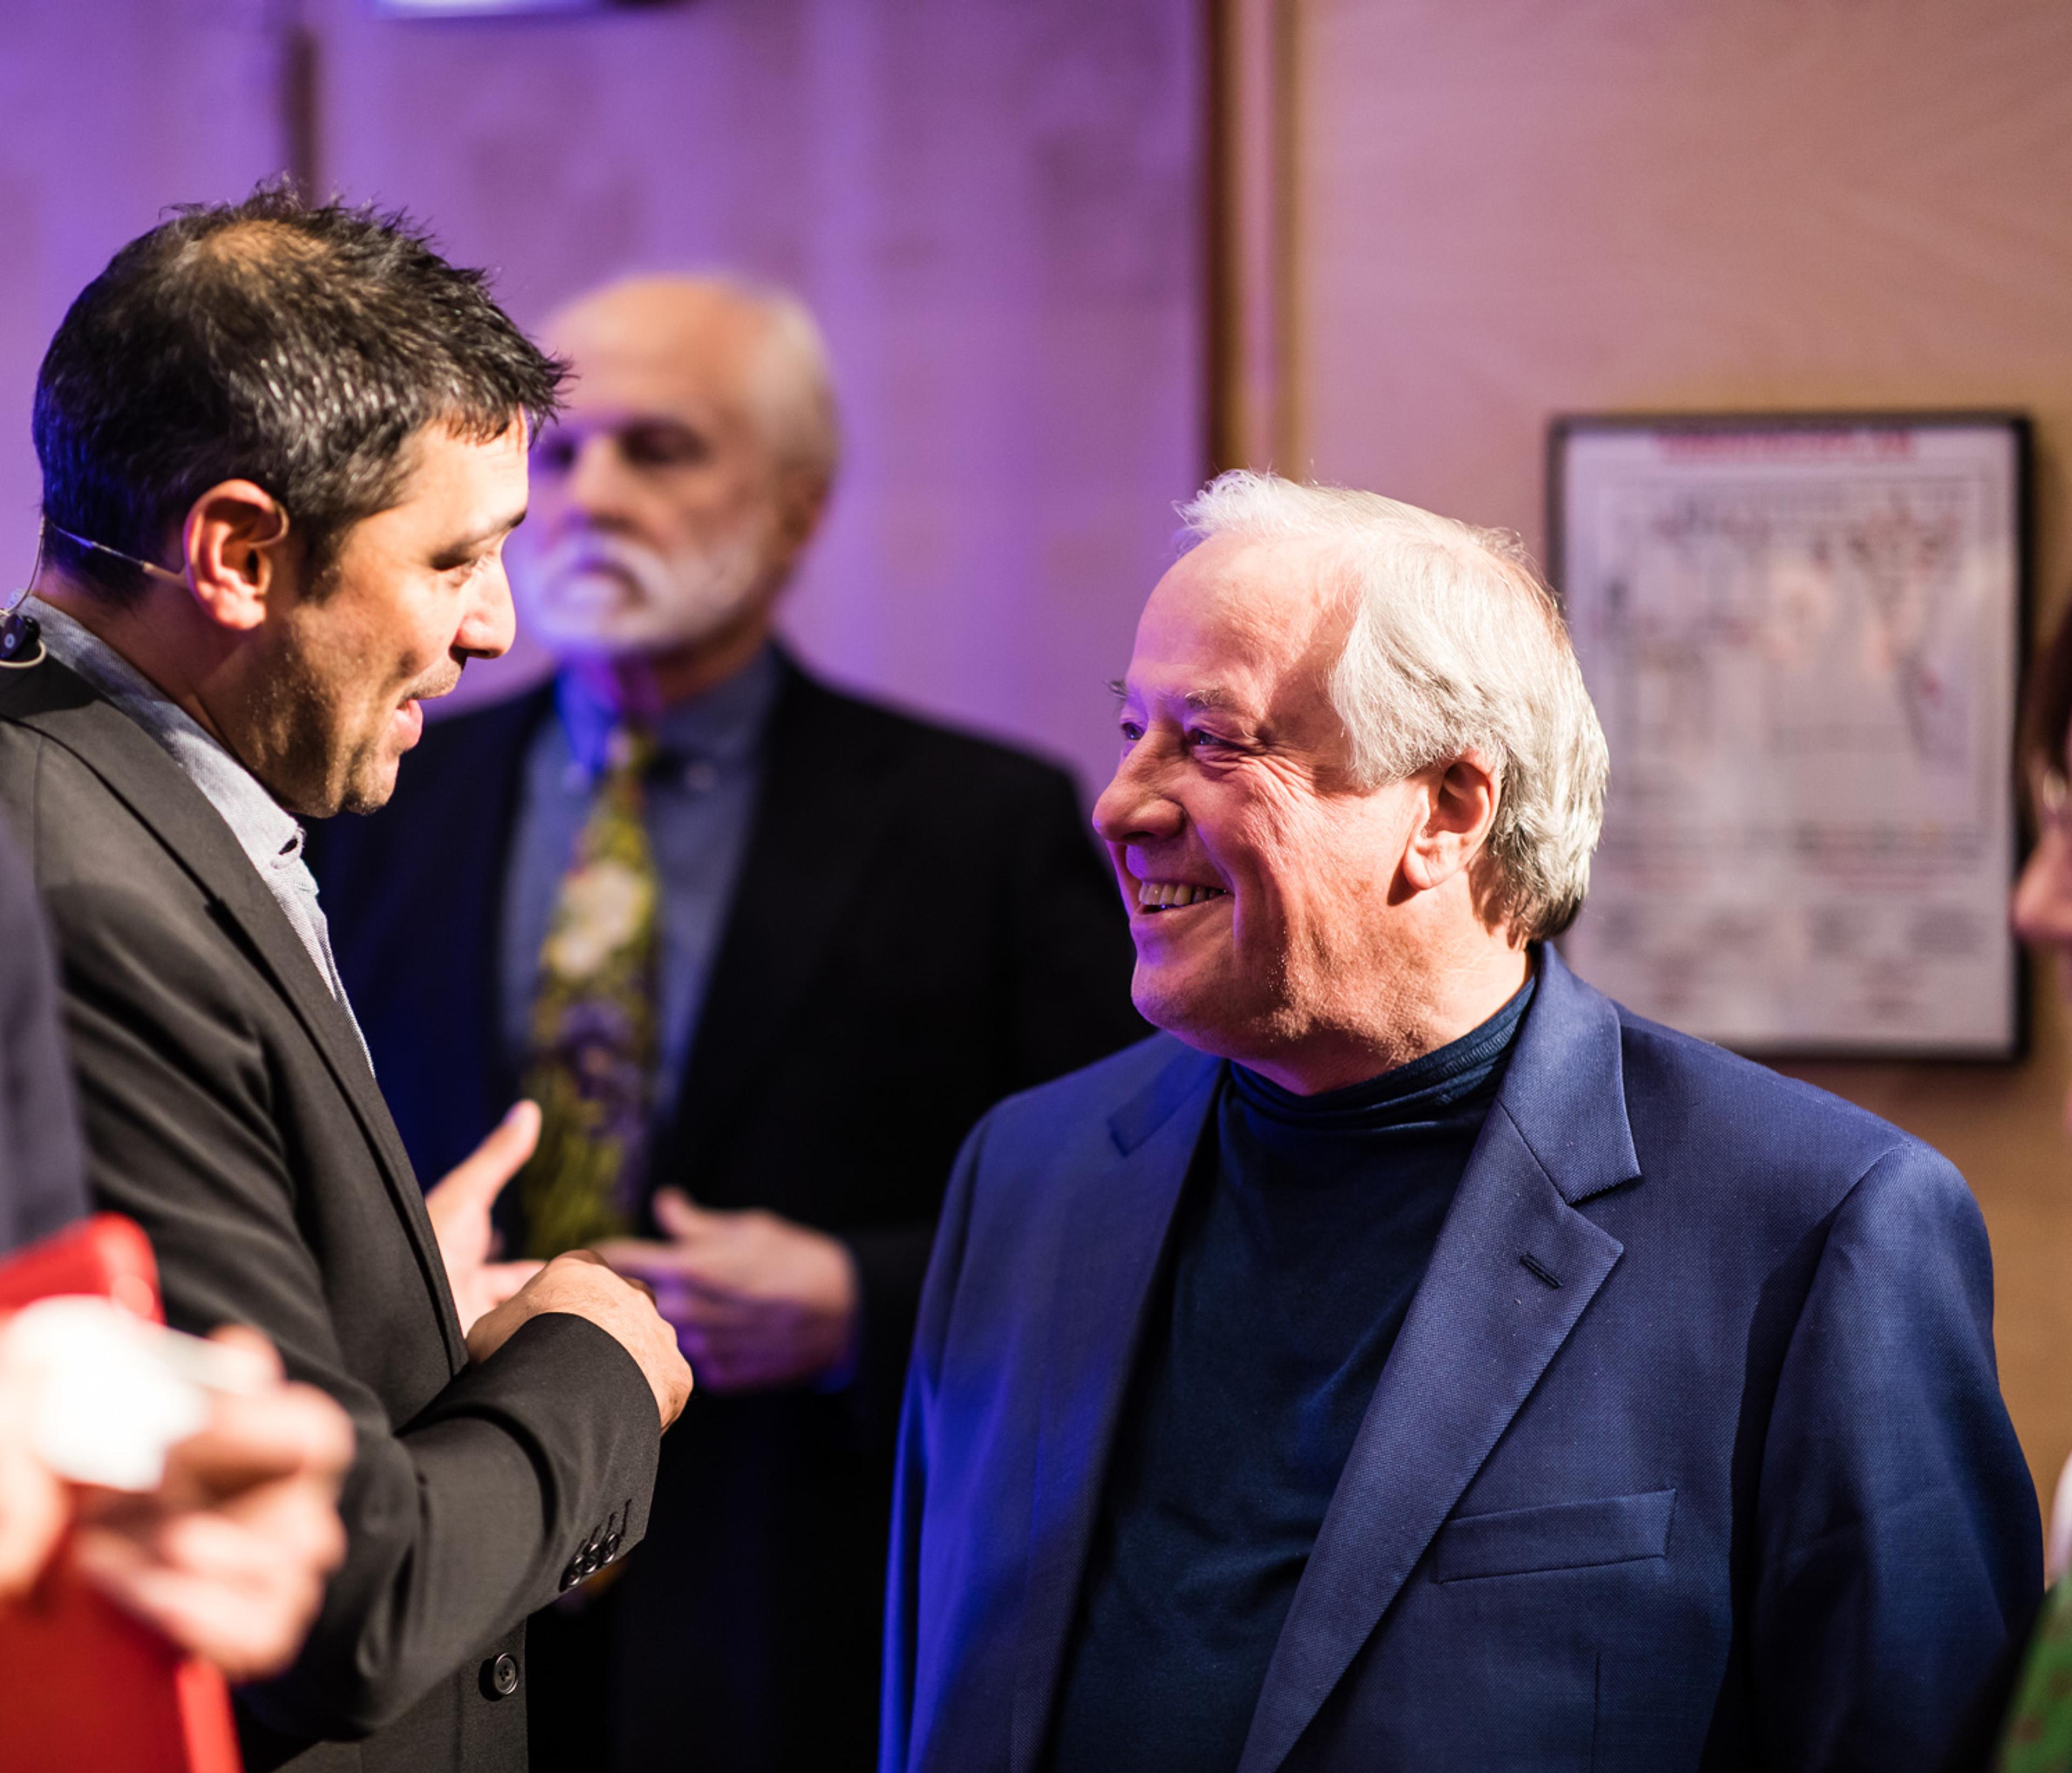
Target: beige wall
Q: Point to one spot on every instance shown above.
(1496, 212)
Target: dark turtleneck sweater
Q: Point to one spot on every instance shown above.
(1300, 1239)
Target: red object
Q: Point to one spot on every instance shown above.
(84, 1688)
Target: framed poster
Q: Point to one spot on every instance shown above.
(1804, 635)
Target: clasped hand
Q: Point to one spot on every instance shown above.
(757, 1301)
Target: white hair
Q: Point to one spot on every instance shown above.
(793, 386)
(1456, 645)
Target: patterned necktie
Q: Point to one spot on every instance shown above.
(594, 1021)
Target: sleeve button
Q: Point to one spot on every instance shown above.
(499, 1677)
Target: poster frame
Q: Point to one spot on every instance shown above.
(1564, 428)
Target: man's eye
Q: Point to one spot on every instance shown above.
(554, 454)
(1131, 732)
(662, 445)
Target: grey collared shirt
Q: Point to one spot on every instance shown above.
(265, 831)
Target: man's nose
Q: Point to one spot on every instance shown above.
(1134, 808)
(2042, 908)
(595, 483)
(490, 624)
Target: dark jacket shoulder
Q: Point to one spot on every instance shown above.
(1766, 1143)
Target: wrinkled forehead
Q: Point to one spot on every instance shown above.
(661, 347)
(1257, 621)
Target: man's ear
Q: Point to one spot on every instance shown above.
(802, 497)
(235, 540)
(1460, 807)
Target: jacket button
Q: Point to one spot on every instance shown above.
(572, 1574)
(499, 1677)
(611, 1543)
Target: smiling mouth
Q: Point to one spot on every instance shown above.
(1172, 896)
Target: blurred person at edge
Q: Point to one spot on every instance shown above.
(689, 840)
(2038, 1737)
(1411, 1359)
(227, 1555)
(282, 445)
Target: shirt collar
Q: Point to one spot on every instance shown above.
(266, 830)
(721, 726)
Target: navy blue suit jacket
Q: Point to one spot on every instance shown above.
(1691, 1453)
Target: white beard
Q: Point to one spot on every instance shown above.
(597, 592)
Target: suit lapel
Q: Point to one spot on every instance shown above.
(1482, 1329)
(1105, 1266)
(52, 700)
(818, 826)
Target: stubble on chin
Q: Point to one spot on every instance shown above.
(1222, 1013)
(369, 781)
(286, 742)
(301, 743)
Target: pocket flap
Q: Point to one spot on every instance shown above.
(1563, 1535)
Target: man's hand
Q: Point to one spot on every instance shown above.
(460, 1206)
(227, 1556)
(35, 1504)
(580, 1284)
(757, 1301)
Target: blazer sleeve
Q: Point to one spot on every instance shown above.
(458, 1522)
(910, 1490)
(1065, 963)
(43, 1168)
(1899, 1546)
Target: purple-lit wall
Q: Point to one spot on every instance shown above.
(994, 206)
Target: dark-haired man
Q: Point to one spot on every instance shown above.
(693, 900)
(281, 449)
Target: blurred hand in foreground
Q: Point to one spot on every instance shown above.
(35, 1503)
(229, 1555)
(757, 1301)
(579, 1283)
(460, 1205)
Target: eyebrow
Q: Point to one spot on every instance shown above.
(467, 543)
(1205, 700)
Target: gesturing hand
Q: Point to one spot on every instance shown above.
(460, 1208)
(757, 1301)
(227, 1556)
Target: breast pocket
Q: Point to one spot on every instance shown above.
(1562, 1536)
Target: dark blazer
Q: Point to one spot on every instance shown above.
(229, 1110)
(922, 925)
(1691, 1453)
(42, 1169)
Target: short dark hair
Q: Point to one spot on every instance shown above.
(299, 346)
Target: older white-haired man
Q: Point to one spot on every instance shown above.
(1410, 1360)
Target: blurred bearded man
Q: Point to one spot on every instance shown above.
(696, 904)
(1410, 1360)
